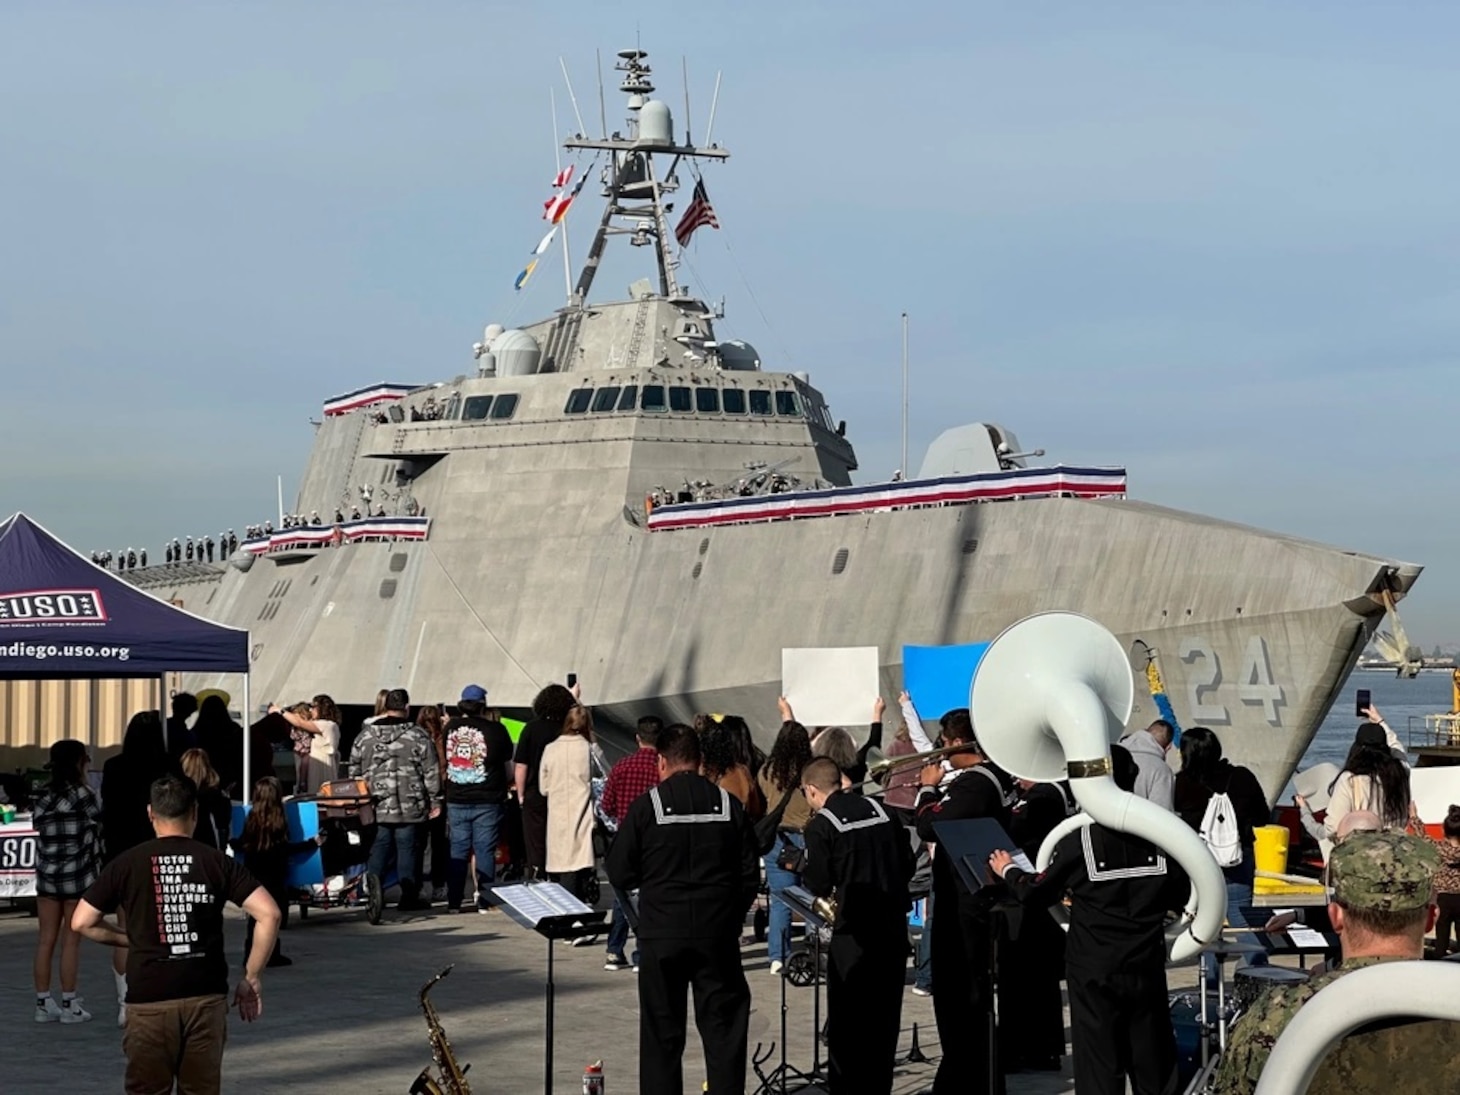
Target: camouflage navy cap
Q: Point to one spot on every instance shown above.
(1383, 872)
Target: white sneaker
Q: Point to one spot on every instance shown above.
(777, 965)
(50, 1012)
(75, 1013)
(121, 1015)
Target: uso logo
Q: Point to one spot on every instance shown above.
(52, 606)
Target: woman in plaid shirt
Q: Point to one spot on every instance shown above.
(67, 820)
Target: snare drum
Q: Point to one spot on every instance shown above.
(1250, 982)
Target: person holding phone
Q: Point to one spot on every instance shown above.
(1375, 777)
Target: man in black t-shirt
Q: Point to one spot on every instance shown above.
(478, 767)
(173, 890)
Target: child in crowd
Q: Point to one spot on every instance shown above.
(1447, 885)
(265, 848)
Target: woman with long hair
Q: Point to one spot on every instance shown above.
(67, 820)
(323, 726)
(126, 788)
(781, 773)
(433, 720)
(566, 782)
(265, 849)
(1372, 778)
(1206, 772)
(215, 812)
(549, 709)
(723, 762)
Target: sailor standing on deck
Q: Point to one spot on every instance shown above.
(857, 852)
(688, 848)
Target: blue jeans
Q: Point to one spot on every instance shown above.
(618, 933)
(1238, 894)
(923, 971)
(778, 932)
(473, 827)
(396, 840)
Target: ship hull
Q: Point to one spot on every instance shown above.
(1254, 631)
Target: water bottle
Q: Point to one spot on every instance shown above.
(593, 1079)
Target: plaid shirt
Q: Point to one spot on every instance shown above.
(631, 777)
(68, 841)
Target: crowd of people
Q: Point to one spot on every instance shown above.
(200, 549)
(695, 828)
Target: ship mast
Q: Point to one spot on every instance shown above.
(634, 188)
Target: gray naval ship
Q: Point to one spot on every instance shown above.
(614, 492)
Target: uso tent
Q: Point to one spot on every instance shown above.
(63, 617)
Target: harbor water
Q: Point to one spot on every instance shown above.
(1398, 700)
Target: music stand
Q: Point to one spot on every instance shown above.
(970, 842)
(554, 913)
(799, 901)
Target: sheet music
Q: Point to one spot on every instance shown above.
(540, 900)
(1307, 937)
(1022, 862)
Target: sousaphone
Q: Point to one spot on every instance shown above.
(1050, 695)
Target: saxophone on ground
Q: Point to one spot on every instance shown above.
(451, 1077)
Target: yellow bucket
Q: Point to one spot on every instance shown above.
(1270, 848)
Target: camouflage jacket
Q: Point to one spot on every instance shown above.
(1410, 1058)
(397, 759)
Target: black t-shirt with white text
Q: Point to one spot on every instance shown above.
(172, 890)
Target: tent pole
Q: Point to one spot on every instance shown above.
(246, 792)
(162, 708)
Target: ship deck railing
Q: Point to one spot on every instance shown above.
(316, 537)
(1437, 731)
(1013, 484)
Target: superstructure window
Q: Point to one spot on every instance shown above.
(760, 401)
(475, 408)
(630, 398)
(787, 404)
(734, 400)
(680, 400)
(653, 398)
(578, 401)
(707, 400)
(605, 398)
(504, 406)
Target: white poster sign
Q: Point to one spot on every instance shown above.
(831, 685)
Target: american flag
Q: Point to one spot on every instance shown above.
(699, 212)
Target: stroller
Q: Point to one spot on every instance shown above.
(345, 814)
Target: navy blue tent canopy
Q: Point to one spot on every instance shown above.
(61, 616)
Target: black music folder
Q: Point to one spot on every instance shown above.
(970, 841)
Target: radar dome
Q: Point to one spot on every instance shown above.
(738, 355)
(517, 353)
(490, 334)
(656, 126)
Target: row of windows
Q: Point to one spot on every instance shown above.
(657, 399)
(478, 408)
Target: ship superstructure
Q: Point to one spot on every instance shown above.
(538, 484)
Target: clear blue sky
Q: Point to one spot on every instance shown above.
(1214, 243)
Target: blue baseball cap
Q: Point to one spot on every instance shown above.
(474, 693)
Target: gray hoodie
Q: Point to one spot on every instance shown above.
(1156, 781)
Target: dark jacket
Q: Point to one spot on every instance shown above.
(1121, 888)
(856, 851)
(126, 792)
(1242, 788)
(973, 792)
(690, 851)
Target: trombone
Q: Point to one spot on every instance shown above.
(880, 765)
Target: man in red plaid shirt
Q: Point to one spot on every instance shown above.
(631, 777)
